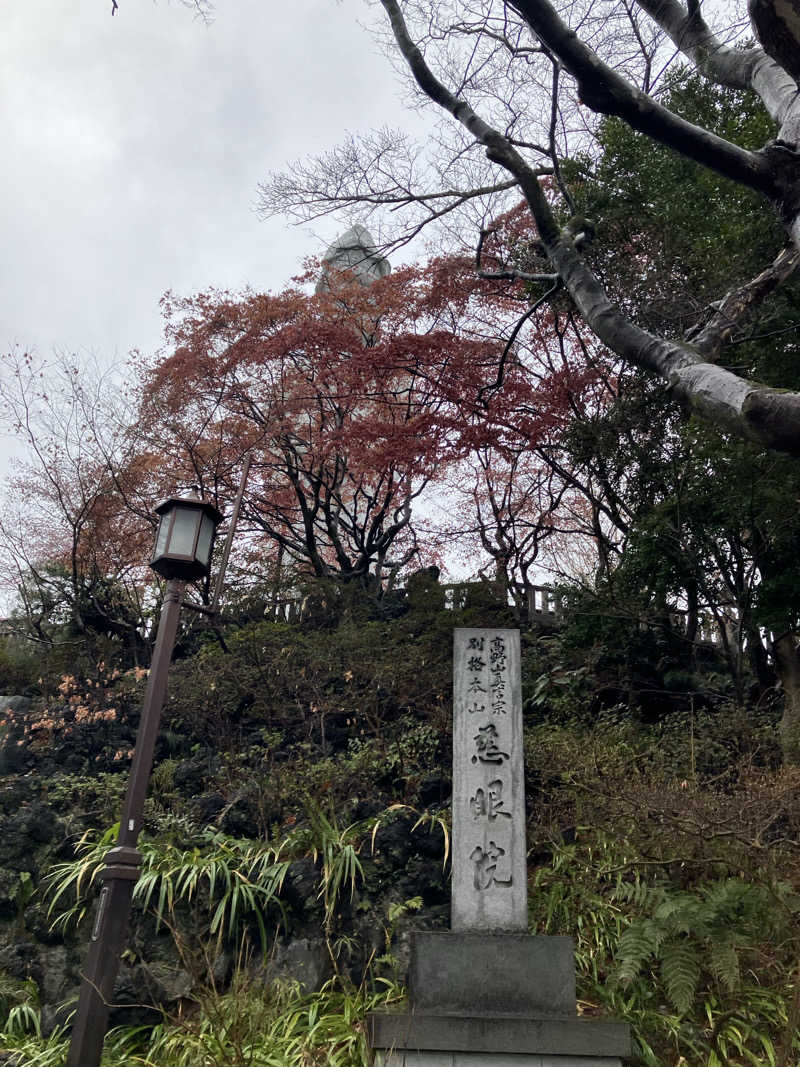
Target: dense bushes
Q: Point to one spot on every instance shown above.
(300, 802)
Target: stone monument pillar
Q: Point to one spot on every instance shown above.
(487, 993)
(489, 887)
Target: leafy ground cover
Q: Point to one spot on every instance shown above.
(304, 798)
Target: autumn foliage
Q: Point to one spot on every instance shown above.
(351, 403)
(388, 426)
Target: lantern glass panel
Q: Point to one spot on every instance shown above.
(184, 531)
(204, 540)
(161, 537)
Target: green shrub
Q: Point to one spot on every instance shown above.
(703, 976)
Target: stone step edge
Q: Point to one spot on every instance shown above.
(499, 1034)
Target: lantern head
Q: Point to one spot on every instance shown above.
(185, 537)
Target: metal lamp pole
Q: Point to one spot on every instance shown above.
(183, 552)
(123, 862)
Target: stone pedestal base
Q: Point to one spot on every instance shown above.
(485, 974)
(509, 1035)
(493, 1000)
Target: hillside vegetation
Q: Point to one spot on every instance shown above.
(298, 828)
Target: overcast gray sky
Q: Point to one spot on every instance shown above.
(133, 146)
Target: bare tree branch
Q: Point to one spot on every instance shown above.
(749, 68)
(747, 409)
(602, 89)
(501, 367)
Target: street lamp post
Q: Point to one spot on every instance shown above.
(182, 553)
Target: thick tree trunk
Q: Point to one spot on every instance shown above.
(777, 24)
(786, 651)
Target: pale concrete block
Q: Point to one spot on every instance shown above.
(489, 886)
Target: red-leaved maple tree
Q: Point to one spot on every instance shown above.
(350, 402)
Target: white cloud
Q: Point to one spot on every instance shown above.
(133, 145)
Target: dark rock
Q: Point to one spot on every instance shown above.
(75, 764)
(394, 841)
(190, 776)
(167, 982)
(16, 703)
(60, 972)
(56, 1016)
(132, 990)
(21, 961)
(240, 819)
(365, 809)
(34, 824)
(301, 885)
(434, 789)
(222, 967)
(9, 890)
(15, 792)
(13, 759)
(39, 925)
(424, 877)
(334, 732)
(210, 806)
(38, 822)
(304, 960)
(430, 842)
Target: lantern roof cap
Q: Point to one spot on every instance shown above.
(192, 500)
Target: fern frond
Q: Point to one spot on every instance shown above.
(642, 896)
(724, 963)
(680, 971)
(636, 945)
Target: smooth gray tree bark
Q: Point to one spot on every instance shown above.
(770, 417)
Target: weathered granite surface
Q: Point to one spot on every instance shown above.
(487, 993)
(409, 1032)
(489, 888)
(491, 974)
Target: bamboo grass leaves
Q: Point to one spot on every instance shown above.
(233, 883)
(233, 880)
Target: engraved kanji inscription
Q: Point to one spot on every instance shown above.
(486, 750)
(497, 654)
(489, 883)
(488, 802)
(485, 867)
(497, 668)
